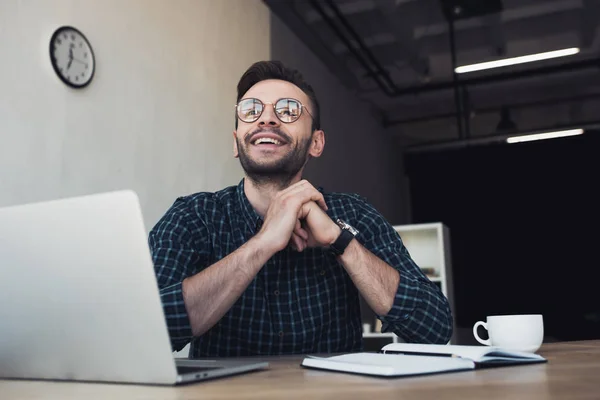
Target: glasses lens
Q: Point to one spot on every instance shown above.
(249, 110)
(288, 110)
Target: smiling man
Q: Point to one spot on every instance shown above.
(274, 265)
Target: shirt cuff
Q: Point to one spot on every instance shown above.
(178, 322)
(405, 301)
(419, 313)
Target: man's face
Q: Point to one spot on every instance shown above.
(260, 158)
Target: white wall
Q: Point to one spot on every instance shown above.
(158, 115)
(360, 155)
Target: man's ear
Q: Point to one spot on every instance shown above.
(317, 143)
(236, 153)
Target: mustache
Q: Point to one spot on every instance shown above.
(276, 131)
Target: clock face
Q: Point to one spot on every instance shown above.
(72, 57)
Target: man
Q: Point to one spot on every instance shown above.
(274, 265)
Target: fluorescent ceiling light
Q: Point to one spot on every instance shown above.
(547, 135)
(517, 60)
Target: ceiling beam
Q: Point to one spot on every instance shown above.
(574, 102)
(287, 13)
(506, 16)
(504, 25)
(592, 63)
(349, 8)
(494, 138)
(402, 30)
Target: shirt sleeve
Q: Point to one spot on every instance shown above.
(420, 312)
(178, 248)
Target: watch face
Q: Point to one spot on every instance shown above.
(72, 57)
(347, 227)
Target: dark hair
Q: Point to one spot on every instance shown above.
(263, 70)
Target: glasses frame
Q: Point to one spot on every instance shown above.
(264, 105)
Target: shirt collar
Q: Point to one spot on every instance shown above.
(253, 220)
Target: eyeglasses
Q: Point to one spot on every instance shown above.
(287, 110)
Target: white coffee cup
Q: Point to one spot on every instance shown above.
(513, 332)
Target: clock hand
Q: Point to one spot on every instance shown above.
(69, 64)
(79, 61)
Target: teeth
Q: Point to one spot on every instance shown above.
(267, 140)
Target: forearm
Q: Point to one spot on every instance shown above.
(375, 280)
(413, 308)
(209, 294)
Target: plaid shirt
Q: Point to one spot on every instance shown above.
(298, 302)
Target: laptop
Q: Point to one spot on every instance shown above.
(79, 300)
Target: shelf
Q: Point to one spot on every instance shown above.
(418, 227)
(379, 335)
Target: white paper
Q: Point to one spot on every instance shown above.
(389, 364)
(475, 353)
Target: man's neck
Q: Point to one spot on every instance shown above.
(260, 195)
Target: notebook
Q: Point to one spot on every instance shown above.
(407, 359)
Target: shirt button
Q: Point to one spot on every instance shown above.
(323, 272)
(280, 333)
(276, 293)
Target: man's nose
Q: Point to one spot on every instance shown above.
(268, 117)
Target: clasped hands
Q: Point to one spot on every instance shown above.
(297, 217)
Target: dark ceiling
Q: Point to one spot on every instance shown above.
(397, 56)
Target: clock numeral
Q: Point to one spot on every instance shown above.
(72, 37)
(86, 67)
(58, 41)
(80, 44)
(65, 36)
(60, 69)
(77, 78)
(83, 73)
(69, 77)
(85, 55)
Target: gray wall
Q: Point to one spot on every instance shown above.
(360, 156)
(157, 118)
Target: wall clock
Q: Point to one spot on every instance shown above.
(72, 57)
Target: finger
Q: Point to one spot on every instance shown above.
(296, 243)
(312, 194)
(299, 243)
(292, 243)
(321, 203)
(298, 186)
(309, 193)
(300, 231)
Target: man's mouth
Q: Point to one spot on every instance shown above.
(267, 141)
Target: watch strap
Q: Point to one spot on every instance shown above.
(338, 247)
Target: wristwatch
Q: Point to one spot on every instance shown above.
(348, 233)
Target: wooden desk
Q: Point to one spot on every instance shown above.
(572, 372)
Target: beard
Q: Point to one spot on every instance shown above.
(279, 172)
